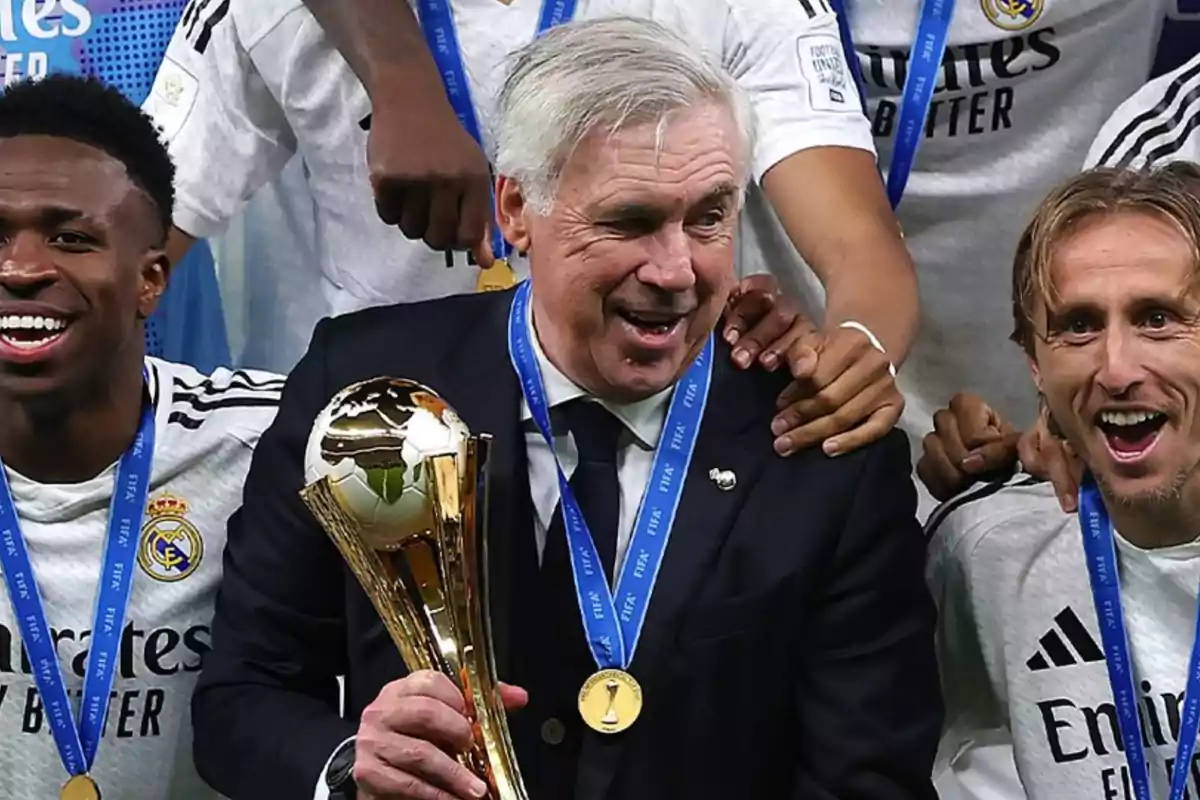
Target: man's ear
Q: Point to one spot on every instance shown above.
(153, 281)
(512, 208)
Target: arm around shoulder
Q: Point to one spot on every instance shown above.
(868, 697)
(265, 712)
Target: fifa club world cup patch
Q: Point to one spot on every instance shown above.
(171, 98)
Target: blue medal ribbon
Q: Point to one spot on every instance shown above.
(925, 60)
(78, 743)
(437, 23)
(1100, 548)
(613, 620)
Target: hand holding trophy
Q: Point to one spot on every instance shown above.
(398, 483)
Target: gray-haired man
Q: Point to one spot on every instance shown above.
(770, 667)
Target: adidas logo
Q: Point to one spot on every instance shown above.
(1057, 643)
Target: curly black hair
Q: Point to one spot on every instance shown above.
(91, 112)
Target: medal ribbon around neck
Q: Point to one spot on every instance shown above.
(1100, 548)
(78, 743)
(437, 23)
(612, 620)
(925, 62)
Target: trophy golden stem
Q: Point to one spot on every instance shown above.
(376, 577)
(460, 511)
(430, 591)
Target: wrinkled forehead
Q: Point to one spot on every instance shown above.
(685, 155)
(40, 172)
(1119, 259)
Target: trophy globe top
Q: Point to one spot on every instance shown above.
(371, 442)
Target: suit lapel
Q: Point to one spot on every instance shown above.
(702, 524)
(482, 387)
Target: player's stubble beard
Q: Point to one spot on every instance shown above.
(1160, 502)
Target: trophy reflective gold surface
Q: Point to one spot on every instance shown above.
(400, 485)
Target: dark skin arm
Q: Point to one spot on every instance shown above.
(832, 204)
(178, 245)
(430, 177)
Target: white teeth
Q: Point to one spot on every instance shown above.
(1128, 417)
(31, 323)
(28, 344)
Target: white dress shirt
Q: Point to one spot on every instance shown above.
(643, 423)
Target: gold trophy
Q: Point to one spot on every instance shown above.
(399, 484)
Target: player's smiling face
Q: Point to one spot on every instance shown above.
(80, 265)
(1118, 356)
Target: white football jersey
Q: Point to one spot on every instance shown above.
(1020, 647)
(247, 83)
(1160, 123)
(1023, 89)
(206, 430)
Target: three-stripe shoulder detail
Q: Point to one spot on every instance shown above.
(1158, 132)
(193, 402)
(976, 493)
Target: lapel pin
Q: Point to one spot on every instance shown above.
(723, 478)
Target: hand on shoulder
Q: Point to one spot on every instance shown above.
(844, 394)
(970, 441)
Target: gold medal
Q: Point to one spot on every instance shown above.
(80, 787)
(610, 701)
(496, 278)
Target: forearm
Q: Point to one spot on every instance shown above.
(178, 245)
(833, 206)
(383, 43)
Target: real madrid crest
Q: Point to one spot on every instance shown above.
(1013, 15)
(171, 548)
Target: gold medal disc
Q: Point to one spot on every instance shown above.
(610, 701)
(496, 278)
(80, 787)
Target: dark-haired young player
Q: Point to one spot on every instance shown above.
(118, 471)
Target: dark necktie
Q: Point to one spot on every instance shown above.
(594, 484)
(558, 659)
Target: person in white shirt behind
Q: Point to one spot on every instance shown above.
(118, 472)
(1035, 603)
(248, 83)
(971, 440)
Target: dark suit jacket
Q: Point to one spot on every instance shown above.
(788, 650)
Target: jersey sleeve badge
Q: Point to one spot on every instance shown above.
(171, 98)
(823, 64)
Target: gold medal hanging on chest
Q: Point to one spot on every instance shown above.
(496, 278)
(80, 787)
(610, 701)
